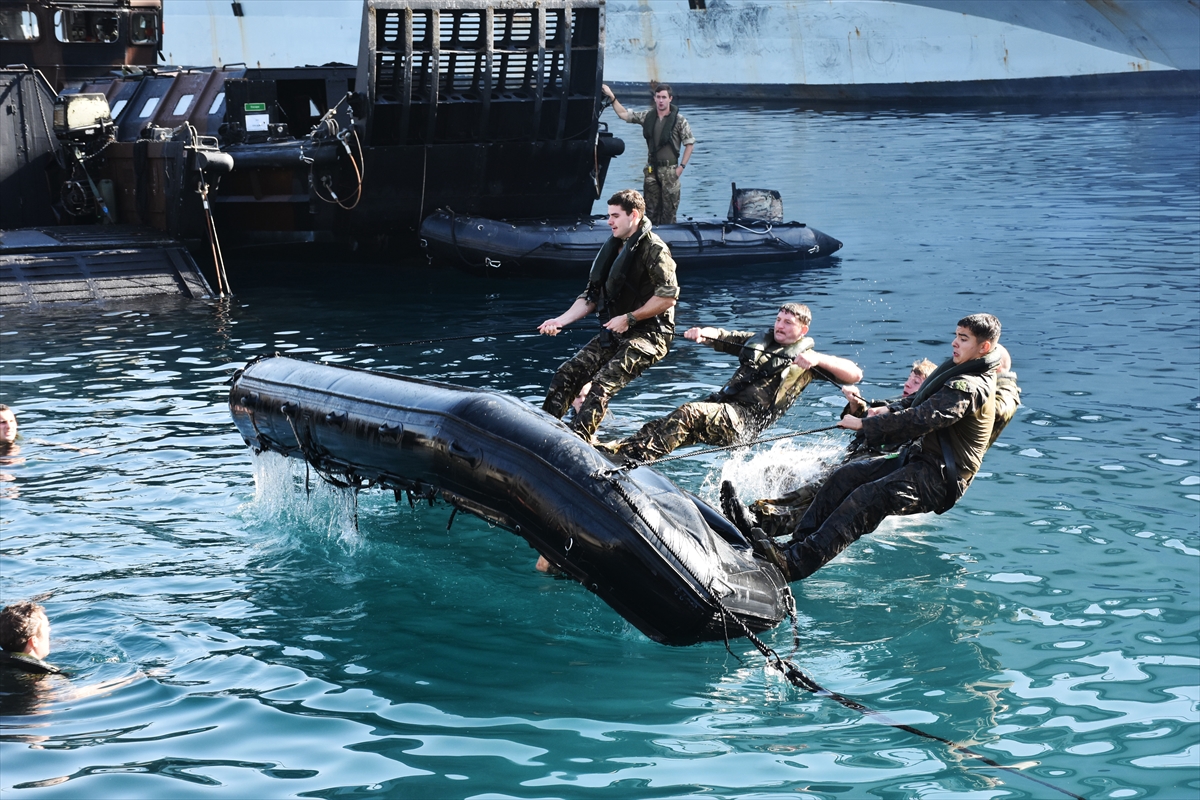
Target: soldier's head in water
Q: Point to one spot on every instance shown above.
(24, 628)
(8, 427)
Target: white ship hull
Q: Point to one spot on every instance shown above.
(830, 50)
(873, 49)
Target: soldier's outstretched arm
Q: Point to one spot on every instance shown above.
(842, 370)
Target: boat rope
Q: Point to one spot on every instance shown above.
(798, 678)
(628, 465)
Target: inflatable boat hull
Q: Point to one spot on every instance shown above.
(566, 249)
(663, 559)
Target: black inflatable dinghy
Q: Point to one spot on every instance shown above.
(661, 557)
(753, 233)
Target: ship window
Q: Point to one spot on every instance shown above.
(86, 26)
(119, 107)
(313, 111)
(18, 26)
(143, 28)
(148, 109)
(183, 105)
(216, 105)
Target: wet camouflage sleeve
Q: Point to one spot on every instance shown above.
(730, 341)
(637, 117)
(947, 406)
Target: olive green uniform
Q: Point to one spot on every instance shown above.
(764, 386)
(665, 139)
(781, 515)
(624, 277)
(952, 423)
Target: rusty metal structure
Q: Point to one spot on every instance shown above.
(69, 40)
(489, 107)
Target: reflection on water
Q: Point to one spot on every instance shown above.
(231, 630)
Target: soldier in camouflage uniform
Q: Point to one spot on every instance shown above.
(778, 516)
(632, 287)
(669, 141)
(949, 425)
(775, 368)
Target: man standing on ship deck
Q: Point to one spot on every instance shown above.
(668, 135)
(632, 287)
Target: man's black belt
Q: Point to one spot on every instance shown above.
(662, 163)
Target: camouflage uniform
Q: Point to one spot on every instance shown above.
(610, 360)
(764, 386)
(780, 515)
(661, 185)
(957, 418)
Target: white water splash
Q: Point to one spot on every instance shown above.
(787, 465)
(281, 495)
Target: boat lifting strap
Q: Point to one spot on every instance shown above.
(796, 676)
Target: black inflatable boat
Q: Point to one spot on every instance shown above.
(661, 557)
(753, 233)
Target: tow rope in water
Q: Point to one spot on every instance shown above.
(798, 678)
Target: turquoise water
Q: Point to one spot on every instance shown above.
(231, 636)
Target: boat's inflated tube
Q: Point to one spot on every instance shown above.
(662, 558)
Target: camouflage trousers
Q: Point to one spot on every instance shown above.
(661, 192)
(855, 499)
(717, 424)
(610, 362)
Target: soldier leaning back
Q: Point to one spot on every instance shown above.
(632, 287)
(775, 367)
(949, 424)
(669, 142)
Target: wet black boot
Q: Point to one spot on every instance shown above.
(734, 509)
(765, 548)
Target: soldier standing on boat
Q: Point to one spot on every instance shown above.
(632, 287)
(776, 366)
(670, 142)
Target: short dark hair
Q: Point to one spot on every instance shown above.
(629, 199)
(799, 311)
(983, 327)
(656, 87)
(19, 623)
(4, 407)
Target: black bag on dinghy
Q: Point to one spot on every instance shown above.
(661, 557)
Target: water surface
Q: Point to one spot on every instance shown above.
(235, 641)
